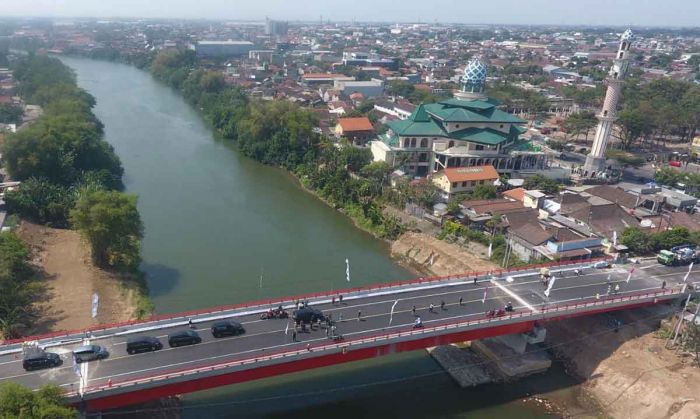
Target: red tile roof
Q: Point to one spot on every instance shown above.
(461, 174)
(518, 194)
(361, 123)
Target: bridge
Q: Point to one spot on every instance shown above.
(385, 326)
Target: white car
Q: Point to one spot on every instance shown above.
(601, 264)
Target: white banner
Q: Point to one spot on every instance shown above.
(551, 284)
(76, 368)
(347, 269)
(95, 303)
(286, 329)
(391, 315)
(483, 300)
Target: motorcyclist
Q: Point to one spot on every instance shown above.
(509, 306)
(418, 322)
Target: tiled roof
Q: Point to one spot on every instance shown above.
(361, 123)
(462, 174)
(518, 194)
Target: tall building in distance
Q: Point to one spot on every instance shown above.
(595, 161)
(276, 27)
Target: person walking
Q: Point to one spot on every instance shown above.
(359, 315)
(294, 335)
(461, 300)
(340, 298)
(617, 288)
(663, 285)
(475, 279)
(333, 300)
(442, 305)
(413, 310)
(431, 308)
(189, 322)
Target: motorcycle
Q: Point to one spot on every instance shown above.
(274, 314)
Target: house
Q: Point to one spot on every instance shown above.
(357, 130)
(454, 180)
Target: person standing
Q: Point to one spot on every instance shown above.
(461, 300)
(359, 315)
(663, 285)
(431, 308)
(413, 310)
(294, 335)
(340, 298)
(442, 305)
(333, 300)
(617, 288)
(189, 322)
(475, 279)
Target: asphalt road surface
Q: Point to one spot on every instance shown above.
(525, 292)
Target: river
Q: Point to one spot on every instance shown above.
(222, 229)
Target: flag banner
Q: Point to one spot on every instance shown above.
(347, 269)
(391, 315)
(286, 329)
(95, 303)
(76, 368)
(549, 287)
(629, 276)
(483, 300)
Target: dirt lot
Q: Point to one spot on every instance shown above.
(436, 257)
(72, 279)
(629, 372)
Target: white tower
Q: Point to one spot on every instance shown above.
(473, 81)
(595, 161)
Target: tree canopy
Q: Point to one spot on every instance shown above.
(18, 290)
(17, 401)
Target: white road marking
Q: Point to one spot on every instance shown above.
(515, 296)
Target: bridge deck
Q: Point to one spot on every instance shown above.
(265, 337)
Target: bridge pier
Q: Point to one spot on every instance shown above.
(500, 358)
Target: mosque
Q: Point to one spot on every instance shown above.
(466, 131)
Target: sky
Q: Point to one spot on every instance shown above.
(560, 12)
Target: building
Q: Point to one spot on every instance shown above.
(316, 79)
(276, 27)
(467, 130)
(369, 89)
(456, 180)
(223, 48)
(356, 130)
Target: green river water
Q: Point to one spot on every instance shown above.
(216, 222)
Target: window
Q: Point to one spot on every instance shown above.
(479, 147)
(464, 184)
(481, 182)
(457, 126)
(424, 142)
(451, 144)
(406, 142)
(501, 125)
(413, 142)
(621, 54)
(454, 184)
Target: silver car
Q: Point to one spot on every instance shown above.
(89, 353)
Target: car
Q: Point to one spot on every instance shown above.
(226, 328)
(602, 264)
(308, 315)
(89, 353)
(138, 344)
(183, 337)
(41, 360)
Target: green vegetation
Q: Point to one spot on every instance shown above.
(110, 222)
(46, 403)
(625, 158)
(642, 242)
(670, 177)
(451, 229)
(409, 92)
(18, 289)
(281, 133)
(543, 183)
(580, 123)
(10, 114)
(70, 175)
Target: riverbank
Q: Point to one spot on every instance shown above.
(63, 260)
(629, 373)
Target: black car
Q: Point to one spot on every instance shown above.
(142, 344)
(41, 360)
(183, 337)
(308, 315)
(226, 328)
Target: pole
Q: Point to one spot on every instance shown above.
(680, 320)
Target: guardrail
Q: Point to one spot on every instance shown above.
(545, 310)
(283, 300)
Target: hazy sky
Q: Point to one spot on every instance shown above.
(596, 12)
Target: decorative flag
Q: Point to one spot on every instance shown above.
(76, 368)
(690, 268)
(286, 329)
(551, 284)
(95, 303)
(629, 276)
(347, 269)
(615, 238)
(391, 315)
(483, 300)
(490, 249)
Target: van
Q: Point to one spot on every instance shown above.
(226, 328)
(138, 344)
(183, 337)
(89, 353)
(41, 360)
(308, 315)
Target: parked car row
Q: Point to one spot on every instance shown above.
(134, 345)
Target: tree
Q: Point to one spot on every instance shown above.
(18, 290)
(110, 222)
(692, 340)
(625, 158)
(543, 183)
(636, 240)
(484, 192)
(41, 201)
(10, 114)
(17, 401)
(634, 123)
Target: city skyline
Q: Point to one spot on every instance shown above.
(587, 12)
